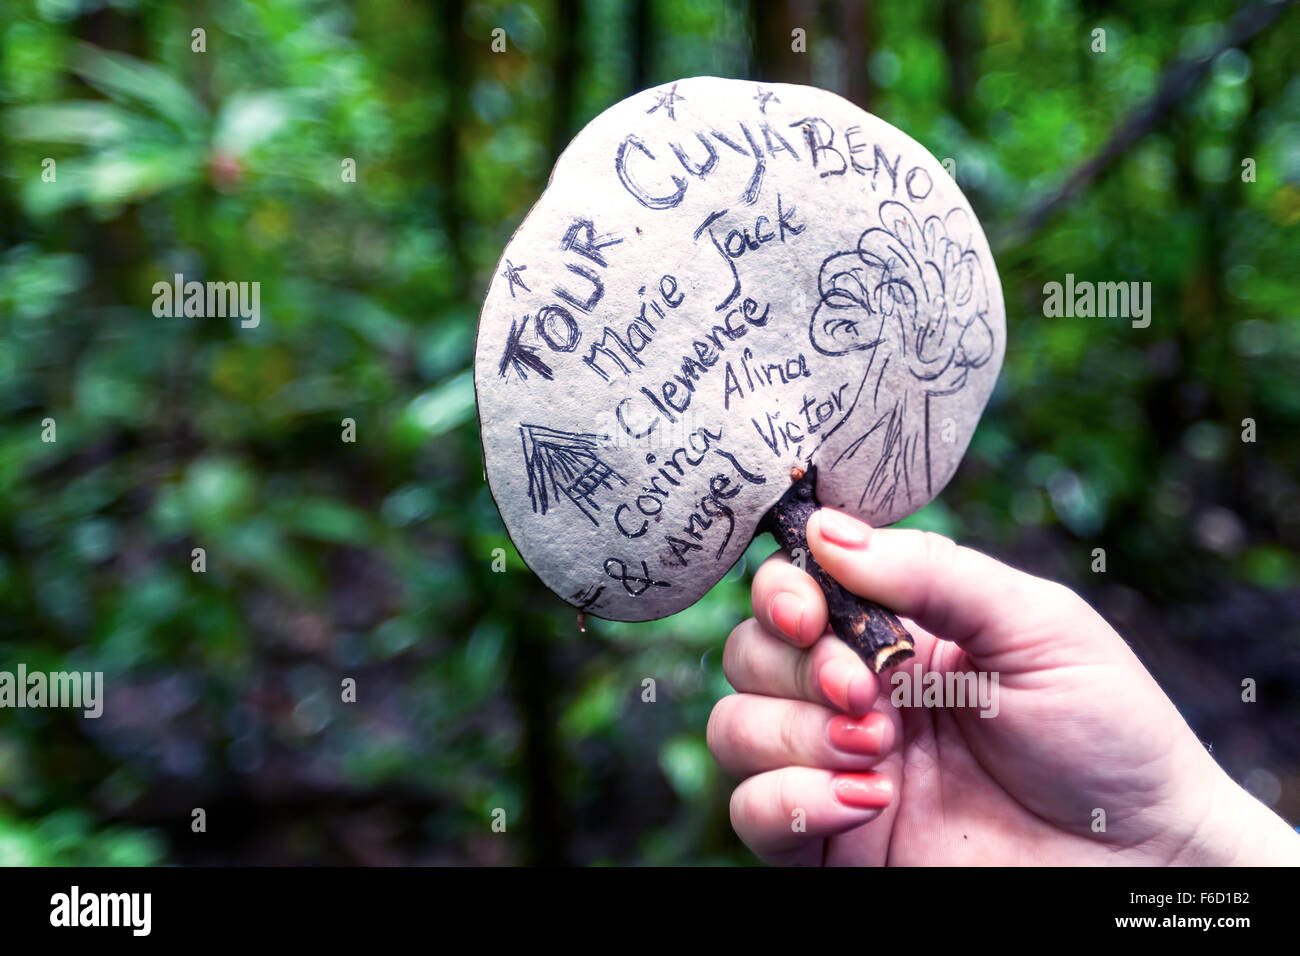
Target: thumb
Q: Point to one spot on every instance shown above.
(953, 592)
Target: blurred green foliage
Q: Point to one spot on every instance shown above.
(373, 560)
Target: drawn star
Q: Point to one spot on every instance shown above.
(666, 100)
(763, 96)
(511, 275)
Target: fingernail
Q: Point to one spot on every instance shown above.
(865, 791)
(835, 677)
(844, 530)
(786, 611)
(860, 735)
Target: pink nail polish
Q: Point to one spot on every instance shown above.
(861, 735)
(844, 530)
(863, 791)
(786, 611)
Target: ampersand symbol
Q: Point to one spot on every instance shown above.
(635, 586)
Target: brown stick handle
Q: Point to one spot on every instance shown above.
(874, 632)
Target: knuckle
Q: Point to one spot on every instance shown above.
(809, 665)
(789, 730)
(711, 730)
(735, 653)
(938, 550)
(1057, 597)
(730, 734)
(939, 555)
(786, 798)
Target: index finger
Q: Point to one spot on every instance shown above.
(788, 602)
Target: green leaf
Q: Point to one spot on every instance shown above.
(80, 122)
(246, 120)
(441, 408)
(124, 77)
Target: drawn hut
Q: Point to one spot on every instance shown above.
(566, 463)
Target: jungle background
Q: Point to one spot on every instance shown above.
(325, 560)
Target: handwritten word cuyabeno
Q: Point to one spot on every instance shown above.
(648, 174)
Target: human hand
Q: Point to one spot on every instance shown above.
(834, 773)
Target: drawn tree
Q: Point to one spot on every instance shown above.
(915, 296)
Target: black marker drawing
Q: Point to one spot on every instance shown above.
(566, 463)
(587, 598)
(511, 274)
(582, 239)
(519, 357)
(764, 97)
(666, 100)
(593, 297)
(913, 295)
(633, 584)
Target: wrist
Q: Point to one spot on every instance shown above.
(1239, 830)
